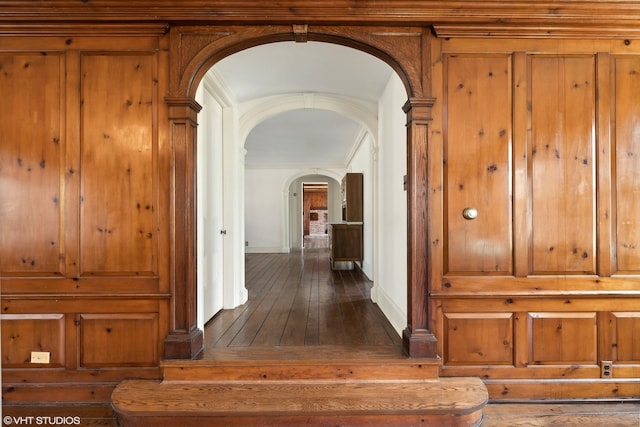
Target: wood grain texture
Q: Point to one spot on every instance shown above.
(548, 414)
(31, 230)
(478, 166)
(542, 18)
(449, 401)
(296, 299)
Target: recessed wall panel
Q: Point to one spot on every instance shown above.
(479, 339)
(32, 141)
(478, 164)
(23, 334)
(119, 340)
(627, 163)
(626, 338)
(562, 338)
(562, 164)
(118, 191)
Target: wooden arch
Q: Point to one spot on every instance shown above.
(192, 51)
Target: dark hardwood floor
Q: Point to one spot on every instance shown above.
(296, 300)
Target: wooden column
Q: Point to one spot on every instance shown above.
(417, 340)
(185, 340)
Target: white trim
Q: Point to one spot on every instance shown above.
(362, 135)
(219, 89)
(266, 250)
(395, 314)
(257, 111)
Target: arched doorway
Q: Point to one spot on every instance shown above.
(193, 52)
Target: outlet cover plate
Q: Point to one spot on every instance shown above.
(40, 357)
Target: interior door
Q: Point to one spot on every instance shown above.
(211, 227)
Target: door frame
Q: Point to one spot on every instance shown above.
(192, 52)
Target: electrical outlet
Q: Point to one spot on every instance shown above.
(606, 369)
(40, 357)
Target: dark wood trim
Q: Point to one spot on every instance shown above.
(542, 19)
(185, 339)
(418, 341)
(193, 50)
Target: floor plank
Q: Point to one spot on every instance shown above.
(562, 415)
(295, 299)
(551, 414)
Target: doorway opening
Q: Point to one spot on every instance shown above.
(312, 135)
(315, 210)
(184, 336)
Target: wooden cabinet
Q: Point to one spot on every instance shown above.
(346, 244)
(351, 189)
(346, 237)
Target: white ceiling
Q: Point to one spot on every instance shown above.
(305, 136)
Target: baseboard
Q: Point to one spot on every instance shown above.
(397, 317)
(519, 390)
(266, 250)
(57, 393)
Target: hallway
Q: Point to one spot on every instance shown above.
(296, 300)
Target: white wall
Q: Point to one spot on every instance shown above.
(391, 278)
(270, 216)
(268, 206)
(361, 161)
(334, 203)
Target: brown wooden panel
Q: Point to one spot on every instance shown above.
(627, 162)
(25, 333)
(626, 337)
(478, 339)
(352, 202)
(562, 94)
(119, 180)
(478, 164)
(346, 242)
(119, 340)
(562, 338)
(30, 162)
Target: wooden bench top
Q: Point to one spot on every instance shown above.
(444, 398)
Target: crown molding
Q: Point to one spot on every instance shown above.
(82, 29)
(542, 31)
(591, 15)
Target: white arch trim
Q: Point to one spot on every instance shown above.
(286, 219)
(258, 110)
(330, 173)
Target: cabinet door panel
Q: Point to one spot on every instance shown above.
(118, 340)
(563, 338)
(26, 333)
(31, 149)
(627, 170)
(626, 337)
(478, 164)
(562, 164)
(119, 206)
(478, 339)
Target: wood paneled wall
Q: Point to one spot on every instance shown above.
(541, 138)
(81, 246)
(514, 109)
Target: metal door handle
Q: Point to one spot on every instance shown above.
(470, 213)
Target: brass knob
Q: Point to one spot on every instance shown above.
(470, 213)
